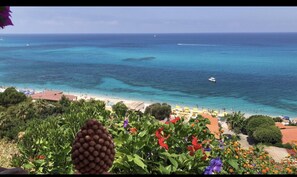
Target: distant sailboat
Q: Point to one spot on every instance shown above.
(155, 35)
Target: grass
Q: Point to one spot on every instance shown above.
(7, 149)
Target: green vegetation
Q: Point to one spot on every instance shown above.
(159, 111)
(255, 121)
(277, 119)
(143, 147)
(120, 109)
(235, 121)
(11, 97)
(267, 134)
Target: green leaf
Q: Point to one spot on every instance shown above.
(28, 166)
(233, 163)
(174, 162)
(130, 158)
(141, 134)
(139, 162)
(164, 170)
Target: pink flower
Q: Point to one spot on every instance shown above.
(4, 16)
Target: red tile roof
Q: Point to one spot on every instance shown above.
(289, 134)
(280, 125)
(213, 126)
(52, 95)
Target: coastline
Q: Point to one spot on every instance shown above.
(110, 100)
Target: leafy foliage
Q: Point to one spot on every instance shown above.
(256, 121)
(270, 134)
(277, 119)
(236, 120)
(120, 109)
(159, 111)
(11, 97)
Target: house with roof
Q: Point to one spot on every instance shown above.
(289, 133)
(51, 95)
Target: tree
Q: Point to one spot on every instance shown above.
(277, 119)
(256, 121)
(11, 97)
(120, 109)
(267, 134)
(235, 120)
(159, 111)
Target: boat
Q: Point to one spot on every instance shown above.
(212, 79)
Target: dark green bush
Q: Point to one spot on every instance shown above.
(159, 111)
(11, 97)
(120, 109)
(256, 121)
(277, 119)
(267, 134)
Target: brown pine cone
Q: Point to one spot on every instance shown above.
(93, 149)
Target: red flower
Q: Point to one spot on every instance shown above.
(195, 146)
(161, 138)
(158, 132)
(195, 143)
(133, 130)
(41, 157)
(173, 121)
(162, 144)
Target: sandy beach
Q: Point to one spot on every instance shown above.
(110, 100)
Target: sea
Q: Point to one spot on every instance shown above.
(256, 73)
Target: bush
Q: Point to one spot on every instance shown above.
(159, 111)
(277, 119)
(120, 109)
(256, 121)
(11, 97)
(270, 134)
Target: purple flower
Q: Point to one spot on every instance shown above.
(215, 166)
(126, 123)
(207, 149)
(4, 16)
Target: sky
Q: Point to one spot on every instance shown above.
(151, 19)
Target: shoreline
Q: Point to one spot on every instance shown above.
(114, 99)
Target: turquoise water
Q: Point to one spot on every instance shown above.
(256, 73)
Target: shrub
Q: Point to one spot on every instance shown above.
(255, 121)
(120, 109)
(277, 119)
(270, 134)
(159, 111)
(11, 97)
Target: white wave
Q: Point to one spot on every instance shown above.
(203, 45)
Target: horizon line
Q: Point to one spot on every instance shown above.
(162, 33)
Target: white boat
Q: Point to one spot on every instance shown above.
(212, 79)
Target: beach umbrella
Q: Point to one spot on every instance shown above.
(195, 110)
(286, 117)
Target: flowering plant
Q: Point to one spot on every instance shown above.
(5, 16)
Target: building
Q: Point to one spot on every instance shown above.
(289, 133)
(50, 95)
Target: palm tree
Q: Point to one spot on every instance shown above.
(235, 121)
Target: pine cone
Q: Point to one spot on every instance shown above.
(93, 149)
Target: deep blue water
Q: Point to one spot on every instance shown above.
(256, 73)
